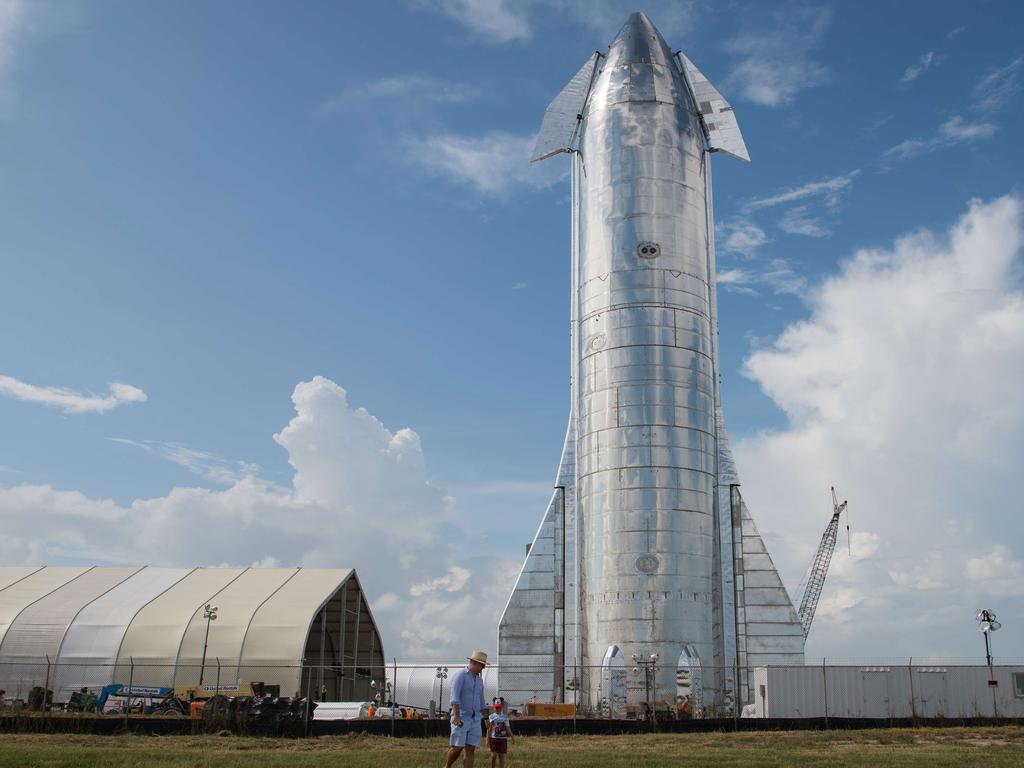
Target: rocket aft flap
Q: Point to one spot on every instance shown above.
(647, 577)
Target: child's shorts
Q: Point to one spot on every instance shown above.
(498, 746)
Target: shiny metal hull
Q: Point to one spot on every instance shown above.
(634, 569)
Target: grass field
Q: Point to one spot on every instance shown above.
(990, 747)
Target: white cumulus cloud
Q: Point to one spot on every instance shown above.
(359, 497)
(68, 400)
(903, 390)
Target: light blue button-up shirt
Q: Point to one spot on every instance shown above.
(468, 693)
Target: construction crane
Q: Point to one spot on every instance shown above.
(815, 578)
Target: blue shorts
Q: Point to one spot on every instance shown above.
(468, 734)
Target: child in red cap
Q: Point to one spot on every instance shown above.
(499, 731)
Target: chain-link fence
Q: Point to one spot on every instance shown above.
(643, 690)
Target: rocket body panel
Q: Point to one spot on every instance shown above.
(645, 379)
(641, 551)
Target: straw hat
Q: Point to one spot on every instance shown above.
(479, 656)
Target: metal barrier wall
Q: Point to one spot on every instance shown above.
(868, 690)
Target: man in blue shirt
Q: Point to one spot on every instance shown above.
(468, 705)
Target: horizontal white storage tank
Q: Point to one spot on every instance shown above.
(886, 691)
(416, 685)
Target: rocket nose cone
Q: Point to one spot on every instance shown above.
(639, 41)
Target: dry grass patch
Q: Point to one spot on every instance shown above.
(997, 747)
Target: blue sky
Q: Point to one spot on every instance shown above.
(213, 202)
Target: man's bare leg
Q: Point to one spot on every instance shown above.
(470, 756)
(494, 758)
(453, 755)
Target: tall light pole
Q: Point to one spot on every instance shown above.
(442, 675)
(210, 614)
(649, 666)
(986, 625)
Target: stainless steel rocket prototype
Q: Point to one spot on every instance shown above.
(643, 562)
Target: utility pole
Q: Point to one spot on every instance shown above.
(210, 614)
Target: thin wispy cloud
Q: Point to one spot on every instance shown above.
(817, 205)
(494, 163)
(776, 276)
(200, 463)
(23, 23)
(509, 21)
(777, 62)
(922, 65)
(415, 87)
(828, 189)
(955, 32)
(497, 21)
(998, 86)
(68, 400)
(991, 93)
(781, 278)
(13, 23)
(741, 236)
(800, 221)
(736, 281)
(955, 130)
(811, 210)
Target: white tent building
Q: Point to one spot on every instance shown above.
(302, 629)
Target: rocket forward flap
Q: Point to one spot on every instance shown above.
(562, 118)
(717, 118)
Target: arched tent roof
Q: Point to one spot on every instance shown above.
(12, 573)
(149, 651)
(237, 605)
(93, 640)
(23, 592)
(146, 626)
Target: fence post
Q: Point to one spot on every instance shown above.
(824, 688)
(217, 689)
(575, 694)
(46, 687)
(131, 680)
(309, 682)
(394, 693)
(735, 694)
(910, 675)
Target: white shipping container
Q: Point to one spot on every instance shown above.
(887, 691)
